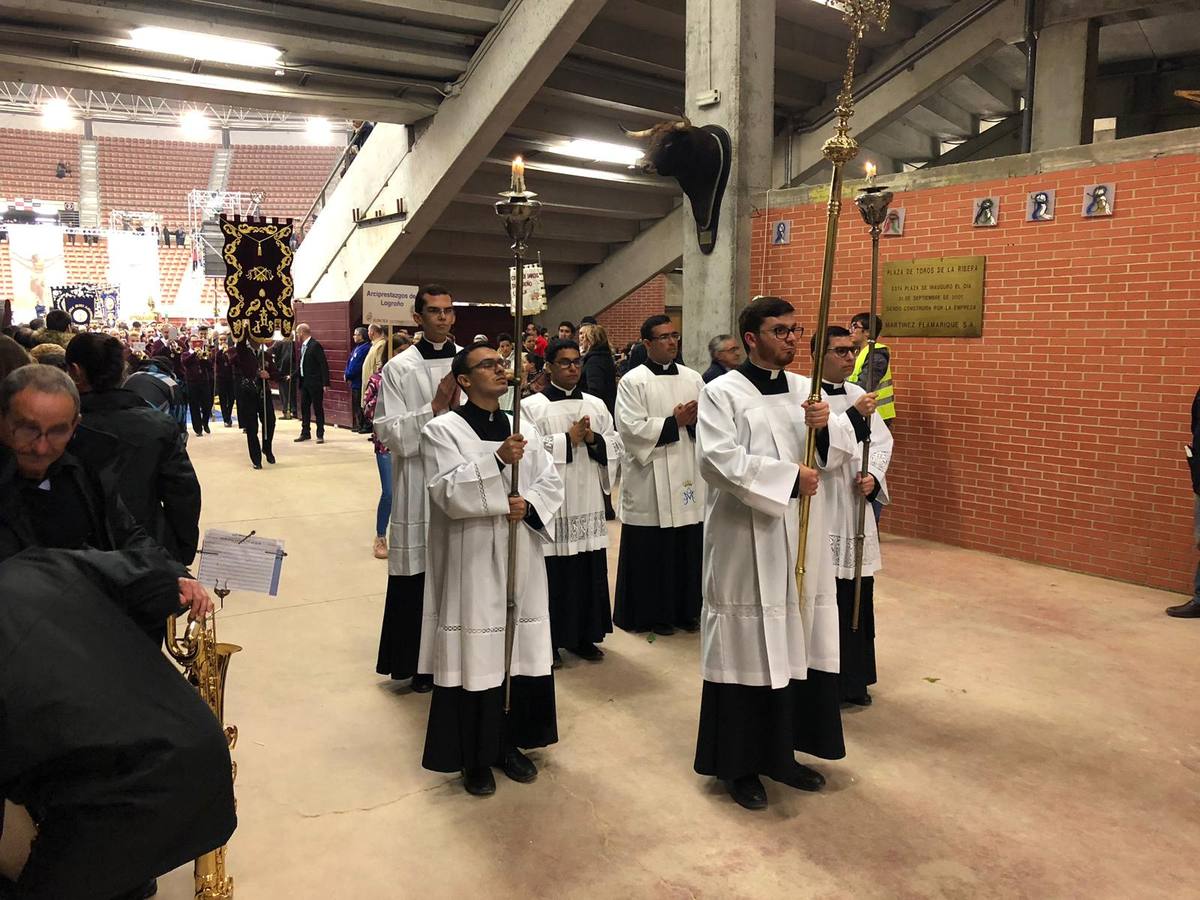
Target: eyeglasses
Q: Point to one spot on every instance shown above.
(569, 363)
(672, 336)
(842, 351)
(857, 326)
(783, 332)
(440, 312)
(488, 364)
(28, 435)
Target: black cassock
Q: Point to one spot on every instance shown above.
(123, 767)
(469, 729)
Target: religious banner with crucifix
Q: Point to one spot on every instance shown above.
(258, 277)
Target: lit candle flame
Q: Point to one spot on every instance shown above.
(870, 167)
(518, 176)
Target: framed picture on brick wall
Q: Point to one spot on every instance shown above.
(985, 212)
(1039, 206)
(1098, 200)
(893, 225)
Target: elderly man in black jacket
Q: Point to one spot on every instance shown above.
(122, 766)
(312, 372)
(140, 446)
(1191, 609)
(48, 498)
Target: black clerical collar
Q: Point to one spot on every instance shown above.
(554, 392)
(659, 369)
(833, 389)
(768, 381)
(488, 424)
(429, 351)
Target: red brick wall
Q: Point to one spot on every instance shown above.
(623, 320)
(1057, 437)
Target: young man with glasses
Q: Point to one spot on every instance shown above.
(845, 487)
(416, 387)
(580, 436)
(468, 455)
(662, 493)
(879, 379)
(769, 657)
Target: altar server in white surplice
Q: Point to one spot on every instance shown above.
(415, 387)
(578, 431)
(845, 486)
(662, 493)
(770, 669)
(468, 454)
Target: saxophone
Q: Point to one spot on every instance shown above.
(205, 664)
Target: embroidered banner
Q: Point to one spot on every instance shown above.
(258, 277)
(86, 303)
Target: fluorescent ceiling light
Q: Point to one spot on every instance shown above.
(599, 151)
(318, 129)
(196, 45)
(57, 114)
(194, 124)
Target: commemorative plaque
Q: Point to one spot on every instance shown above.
(940, 297)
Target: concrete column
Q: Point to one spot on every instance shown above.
(730, 48)
(1064, 84)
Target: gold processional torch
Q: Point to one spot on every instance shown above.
(519, 211)
(839, 150)
(872, 201)
(205, 663)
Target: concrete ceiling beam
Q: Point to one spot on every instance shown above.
(499, 247)
(421, 267)
(337, 257)
(555, 225)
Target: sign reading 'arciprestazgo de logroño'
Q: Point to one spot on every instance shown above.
(940, 297)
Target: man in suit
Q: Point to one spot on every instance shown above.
(312, 371)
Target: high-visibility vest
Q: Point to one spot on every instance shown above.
(885, 395)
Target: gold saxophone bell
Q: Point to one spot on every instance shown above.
(205, 663)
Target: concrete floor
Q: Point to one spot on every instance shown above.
(1035, 734)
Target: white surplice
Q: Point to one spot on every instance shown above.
(842, 502)
(462, 644)
(404, 407)
(661, 487)
(579, 524)
(750, 445)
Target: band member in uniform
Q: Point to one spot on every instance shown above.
(223, 365)
(255, 405)
(197, 366)
(579, 433)
(845, 486)
(416, 386)
(662, 493)
(468, 454)
(770, 663)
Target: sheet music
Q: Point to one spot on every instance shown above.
(241, 562)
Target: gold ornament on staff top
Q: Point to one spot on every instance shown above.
(519, 211)
(839, 150)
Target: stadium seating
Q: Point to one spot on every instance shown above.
(289, 177)
(152, 176)
(28, 160)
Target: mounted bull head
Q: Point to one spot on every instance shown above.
(698, 158)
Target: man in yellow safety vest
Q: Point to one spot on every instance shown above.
(879, 379)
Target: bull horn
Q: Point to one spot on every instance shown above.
(636, 135)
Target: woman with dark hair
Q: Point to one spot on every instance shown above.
(140, 448)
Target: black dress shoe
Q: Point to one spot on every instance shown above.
(320, 440)
(256, 465)
(664, 630)
(802, 778)
(1189, 610)
(864, 700)
(748, 791)
(479, 782)
(590, 652)
(557, 663)
(691, 626)
(519, 767)
(207, 430)
(269, 456)
(422, 684)
(303, 437)
(228, 424)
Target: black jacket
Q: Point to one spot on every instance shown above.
(125, 767)
(316, 369)
(599, 376)
(148, 460)
(283, 353)
(107, 518)
(1194, 460)
(716, 370)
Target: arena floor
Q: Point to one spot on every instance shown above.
(1034, 734)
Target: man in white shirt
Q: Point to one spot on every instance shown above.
(662, 493)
